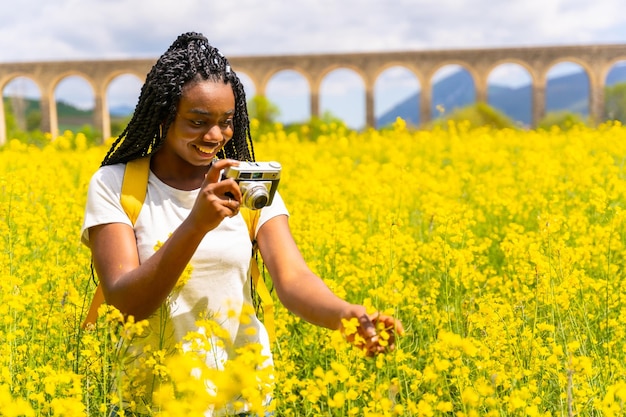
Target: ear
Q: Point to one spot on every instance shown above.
(161, 129)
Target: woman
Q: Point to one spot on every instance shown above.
(191, 120)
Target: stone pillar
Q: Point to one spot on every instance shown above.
(425, 104)
(49, 120)
(596, 98)
(538, 101)
(101, 116)
(370, 118)
(480, 87)
(315, 102)
(3, 123)
(596, 103)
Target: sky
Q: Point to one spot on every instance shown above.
(34, 30)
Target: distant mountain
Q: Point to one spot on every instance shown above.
(568, 92)
(121, 110)
(65, 109)
(69, 116)
(514, 102)
(616, 75)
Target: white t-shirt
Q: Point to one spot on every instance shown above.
(218, 286)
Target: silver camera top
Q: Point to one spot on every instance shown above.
(254, 171)
(257, 181)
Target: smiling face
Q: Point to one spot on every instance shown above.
(203, 122)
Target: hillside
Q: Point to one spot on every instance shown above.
(569, 92)
(69, 116)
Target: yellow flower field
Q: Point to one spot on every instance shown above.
(502, 252)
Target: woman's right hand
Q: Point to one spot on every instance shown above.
(218, 198)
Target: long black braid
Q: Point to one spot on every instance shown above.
(189, 58)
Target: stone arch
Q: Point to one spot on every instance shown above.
(358, 76)
(313, 94)
(596, 59)
(11, 77)
(55, 128)
(480, 93)
(466, 66)
(409, 66)
(524, 64)
(108, 118)
(292, 102)
(474, 73)
(510, 105)
(3, 86)
(614, 80)
(379, 78)
(609, 66)
(271, 74)
(552, 102)
(361, 73)
(331, 68)
(249, 86)
(569, 59)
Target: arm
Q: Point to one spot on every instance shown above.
(139, 289)
(305, 294)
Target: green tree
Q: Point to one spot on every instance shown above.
(478, 114)
(9, 117)
(261, 109)
(565, 120)
(317, 126)
(33, 120)
(119, 124)
(615, 102)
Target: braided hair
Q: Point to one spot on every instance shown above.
(190, 58)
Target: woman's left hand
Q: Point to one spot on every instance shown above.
(373, 333)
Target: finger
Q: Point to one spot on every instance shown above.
(216, 168)
(367, 326)
(389, 323)
(232, 205)
(391, 326)
(368, 331)
(374, 350)
(226, 190)
(399, 328)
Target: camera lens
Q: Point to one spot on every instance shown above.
(260, 202)
(255, 197)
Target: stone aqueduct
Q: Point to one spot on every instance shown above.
(596, 61)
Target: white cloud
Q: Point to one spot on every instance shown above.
(340, 82)
(74, 29)
(511, 75)
(288, 83)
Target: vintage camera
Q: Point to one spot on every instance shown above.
(257, 181)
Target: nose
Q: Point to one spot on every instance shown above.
(214, 134)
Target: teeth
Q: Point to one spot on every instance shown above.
(206, 149)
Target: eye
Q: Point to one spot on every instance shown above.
(197, 123)
(226, 124)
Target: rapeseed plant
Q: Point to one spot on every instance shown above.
(501, 251)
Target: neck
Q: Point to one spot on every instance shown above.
(176, 172)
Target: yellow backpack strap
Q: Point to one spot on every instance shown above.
(134, 186)
(252, 218)
(96, 302)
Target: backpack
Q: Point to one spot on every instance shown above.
(134, 186)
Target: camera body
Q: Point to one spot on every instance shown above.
(257, 181)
